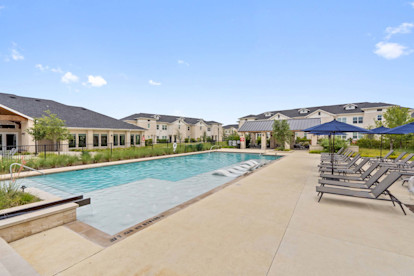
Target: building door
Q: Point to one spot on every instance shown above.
(11, 141)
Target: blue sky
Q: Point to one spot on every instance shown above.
(218, 60)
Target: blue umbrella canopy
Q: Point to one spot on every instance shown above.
(405, 129)
(335, 126)
(325, 133)
(379, 130)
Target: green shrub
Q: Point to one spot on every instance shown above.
(86, 158)
(11, 196)
(199, 147)
(339, 143)
(148, 142)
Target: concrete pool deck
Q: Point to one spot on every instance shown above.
(268, 223)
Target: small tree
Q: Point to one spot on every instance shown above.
(204, 136)
(282, 132)
(396, 116)
(50, 127)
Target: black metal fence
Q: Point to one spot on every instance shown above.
(58, 148)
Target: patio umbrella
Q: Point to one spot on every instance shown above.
(404, 129)
(332, 128)
(379, 130)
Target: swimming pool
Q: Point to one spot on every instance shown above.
(123, 195)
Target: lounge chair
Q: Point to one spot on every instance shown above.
(382, 159)
(396, 159)
(375, 193)
(337, 153)
(399, 164)
(339, 165)
(345, 156)
(361, 177)
(347, 170)
(365, 185)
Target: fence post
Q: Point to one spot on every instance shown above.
(44, 150)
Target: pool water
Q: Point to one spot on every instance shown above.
(123, 195)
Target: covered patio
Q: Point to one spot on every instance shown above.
(265, 129)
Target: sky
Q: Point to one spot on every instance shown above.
(216, 60)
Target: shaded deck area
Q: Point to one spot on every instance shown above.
(268, 223)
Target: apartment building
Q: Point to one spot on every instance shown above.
(88, 129)
(363, 114)
(175, 128)
(230, 129)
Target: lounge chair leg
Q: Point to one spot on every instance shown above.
(320, 197)
(392, 200)
(402, 208)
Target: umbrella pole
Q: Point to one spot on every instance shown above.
(333, 152)
(381, 147)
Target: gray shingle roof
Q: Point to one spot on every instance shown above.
(334, 109)
(230, 126)
(74, 116)
(167, 118)
(267, 125)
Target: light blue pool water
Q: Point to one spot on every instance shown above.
(123, 195)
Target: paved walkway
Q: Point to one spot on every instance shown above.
(268, 223)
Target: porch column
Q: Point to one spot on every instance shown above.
(128, 139)
(264, 140)
(89, 139)
(242, 141)
(272, 141)
(314, 139)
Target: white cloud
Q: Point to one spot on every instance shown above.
(41, 67)
(180, 61)
(56, 70)
(95, 81)
(15, 55)
(151, 82)
(390, 50)
(404, 28)
(69, 77)
(412, 4)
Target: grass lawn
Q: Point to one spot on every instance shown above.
(376, 152)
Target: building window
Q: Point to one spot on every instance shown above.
(96, 140)
(138, 139)
(158, 127)
(357, 120)
(82, 140)
(122, 140)
(72, 141)
(164, 127)
(115, 139)
(319, 113)
(343, 120)
(188, 128)
(379, 110)
(149, 125)
(158, 138)
(200, 127)
(379, 118)
(132, 140)
(208, 129)
(104, 140)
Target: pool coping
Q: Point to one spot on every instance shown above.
(105, 240)
(120, 162)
